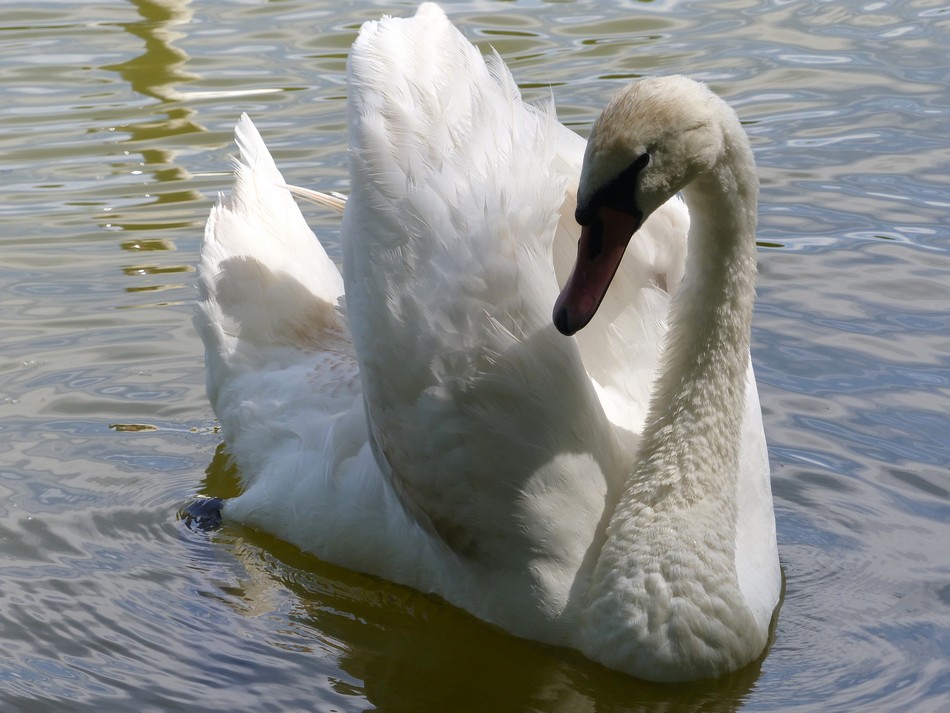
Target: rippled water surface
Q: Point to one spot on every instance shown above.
(115, 133)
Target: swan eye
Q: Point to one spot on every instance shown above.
(619, 194)
(621, 190)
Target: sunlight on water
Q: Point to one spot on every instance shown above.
(116, 138)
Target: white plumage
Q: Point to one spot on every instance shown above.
(435, 429)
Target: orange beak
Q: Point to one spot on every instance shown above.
(599, 251)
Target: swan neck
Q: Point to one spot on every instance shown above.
(693, 429)
(671, 541)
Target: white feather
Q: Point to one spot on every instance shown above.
(441, 433)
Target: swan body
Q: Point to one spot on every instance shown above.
(421, 419)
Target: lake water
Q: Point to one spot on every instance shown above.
(115, 133)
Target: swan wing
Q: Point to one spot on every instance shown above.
(480, 412)
(281, 372)
(268, 292)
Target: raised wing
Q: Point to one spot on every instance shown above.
(477, 406)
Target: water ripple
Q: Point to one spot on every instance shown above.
(118, 136)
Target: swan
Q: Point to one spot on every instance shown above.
(421, 417)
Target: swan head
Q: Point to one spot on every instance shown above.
(651, 141)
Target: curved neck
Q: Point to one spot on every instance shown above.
(670, 544)
(690, 446)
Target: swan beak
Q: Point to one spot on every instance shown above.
(599, 252)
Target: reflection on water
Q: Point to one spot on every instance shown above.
(408, 651)
(157, 74)
(116, 136)
(159, 70)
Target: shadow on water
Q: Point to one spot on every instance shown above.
(408, 651)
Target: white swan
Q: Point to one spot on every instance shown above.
(436, 430)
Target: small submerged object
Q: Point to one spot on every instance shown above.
(202, 513)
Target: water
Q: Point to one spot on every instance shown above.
(114, 138)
